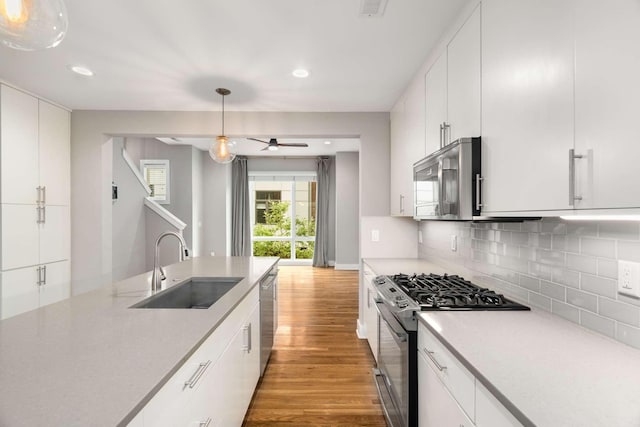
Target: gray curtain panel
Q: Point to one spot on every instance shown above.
(240, 226)
(321, 250)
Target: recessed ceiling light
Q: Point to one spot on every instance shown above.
(83, 71)
(327, 143)
(300, 73)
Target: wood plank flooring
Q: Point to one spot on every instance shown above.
(320, 373)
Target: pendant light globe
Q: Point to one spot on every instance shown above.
(219, 150)
(32, 24)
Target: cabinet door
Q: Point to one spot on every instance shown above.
(54, 148)
(19, 146)
(54, 234)
(371, 318)
(527, 104)
(463, 82)
(57, 283)
(490, 412)
(19, 291)
(435, 103)
(607, 103)
(436, 407)
(251, 358)
(19, 236)
(396, 155)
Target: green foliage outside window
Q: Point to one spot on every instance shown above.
(278, 224)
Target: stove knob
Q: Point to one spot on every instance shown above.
(399, 298)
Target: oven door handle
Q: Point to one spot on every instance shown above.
(398, 331)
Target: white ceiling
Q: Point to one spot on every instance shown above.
(171, 55)
(247, 147)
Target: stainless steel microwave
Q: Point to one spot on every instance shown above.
(447, 183)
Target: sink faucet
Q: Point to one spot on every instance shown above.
(158, 272)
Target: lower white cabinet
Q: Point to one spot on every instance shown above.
(370, 311)
(28, 288)
(437, 408)
(214, 387)
(490, 412)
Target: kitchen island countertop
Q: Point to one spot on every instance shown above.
(93, 361)
(553, 371)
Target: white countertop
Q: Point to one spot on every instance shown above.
(553, 371)
(92, 361)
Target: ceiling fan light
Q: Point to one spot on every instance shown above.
(272, 148)
(32, 24)
(219, 150)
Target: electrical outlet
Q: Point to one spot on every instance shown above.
(420, 236)
(375, 235)
(454, 243)
(629, 278)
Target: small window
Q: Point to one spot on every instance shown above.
(156, 173)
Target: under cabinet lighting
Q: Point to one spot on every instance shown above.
(601, 217)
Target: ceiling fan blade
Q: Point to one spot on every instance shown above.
(259, 140)
(265, 148)
(294, 145)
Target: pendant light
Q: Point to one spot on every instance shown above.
(32, 24)
(219, 150)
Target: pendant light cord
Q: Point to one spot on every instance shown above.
(222, 115)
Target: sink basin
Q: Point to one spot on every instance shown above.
(195, 293)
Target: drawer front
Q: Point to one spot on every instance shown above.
(455, 377)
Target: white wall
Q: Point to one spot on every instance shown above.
(216, 207)
(398, 237)
(91, 151)
(128, 241)
(347, 216)
(197, 197)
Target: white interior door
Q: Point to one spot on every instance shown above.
(57, 282)
(19, 146)
(19, 236)
(19, 291)
(54, 234)
(435, 103)
(54, 149)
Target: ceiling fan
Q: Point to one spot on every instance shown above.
(273, 144)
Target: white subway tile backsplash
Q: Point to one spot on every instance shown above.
(619, 311)
(598, 247)
(628, 335)
(598, 285)
(585, 264)
(582, 300)
(567, 268)
(565, 310)
(597, 323)
(557, 292)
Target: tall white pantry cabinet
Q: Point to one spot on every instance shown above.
(34, 202)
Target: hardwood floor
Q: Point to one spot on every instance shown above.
(320, 373)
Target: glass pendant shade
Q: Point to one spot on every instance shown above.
(219, 150)
(32, 24)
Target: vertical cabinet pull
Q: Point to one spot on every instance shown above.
(43, 200)
(246, 330)
(44, 274)
(441, 132)
(43, 209)
(478, 191)
(368, 297)
(191, 382)
(401, 203)
(39, 272)
(446, 134)
(572, 176)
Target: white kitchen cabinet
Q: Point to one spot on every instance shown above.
(463, 80)
(20, 291)
(435, 104)
(527, 104)
(607, 103)
(370, 311)
(56, 286)
(407, 147)
(217, 381)
(436, 406)
(490, 412)
(35, 181)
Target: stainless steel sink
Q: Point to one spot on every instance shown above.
(195, 293)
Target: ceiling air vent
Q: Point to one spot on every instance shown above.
(372, 8)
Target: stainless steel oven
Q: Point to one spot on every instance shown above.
(397, 386)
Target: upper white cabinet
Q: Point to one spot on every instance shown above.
(436, 104)
(407, 147)
(463, 80)
(607, 103)
(55, 159)
(527, 104)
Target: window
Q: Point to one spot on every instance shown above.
(156, 173)
(283, 215)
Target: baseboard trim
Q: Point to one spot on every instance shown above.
(332, 263)
(347, 267)
(361, 330)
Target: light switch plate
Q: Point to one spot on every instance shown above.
(629, 278)
(375, 235)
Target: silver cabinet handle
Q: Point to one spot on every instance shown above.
(39, 272)
(44, 194)
(433, 359)
(191, 382)
(401, 203)
(205, 423)
(572, 176)
(441, 132)
(246, 330)
(368, 297)
(39, 195)
(39, 212)
(44, 214)
(479, 180)
(44, 274)
(446, 134)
